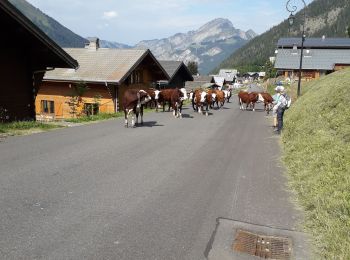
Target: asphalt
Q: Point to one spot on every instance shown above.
(102, 191)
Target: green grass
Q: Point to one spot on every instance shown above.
(24, 127)
(316, 142)
(98, 117)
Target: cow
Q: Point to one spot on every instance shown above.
(176, 100)
(211, 98)
(165, 96)
(268, 101)
(228, 94)
(154, 94)
(133, 101)
(248, 99)
(220, 97)
(200, 100)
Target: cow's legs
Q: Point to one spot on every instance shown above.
(127, 113)
(199, 107)
(125, 118)
(241, 104)
(131, 111)
(141, 114)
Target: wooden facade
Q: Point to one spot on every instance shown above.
(306, 75)
(25, 55)
(57, 94)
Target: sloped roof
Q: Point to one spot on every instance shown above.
(47, 51)
(172, 67)
(102, 65)
(314, 59)
(319, 43)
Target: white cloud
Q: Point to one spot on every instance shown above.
(109, 15)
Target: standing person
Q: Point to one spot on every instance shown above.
(280, 108)
(274, 111)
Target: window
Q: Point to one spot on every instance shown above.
(47, 106)
(136, 77)
(91, 109)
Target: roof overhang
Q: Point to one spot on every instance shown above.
(59, 58)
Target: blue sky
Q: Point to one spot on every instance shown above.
(132, 21)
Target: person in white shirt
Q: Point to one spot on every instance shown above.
(280, 107)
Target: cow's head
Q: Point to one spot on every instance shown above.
(184, 93)
(143, 97)
(260, 98)
(156, 94)
(203, 96)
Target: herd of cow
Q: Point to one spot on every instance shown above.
(134, 100)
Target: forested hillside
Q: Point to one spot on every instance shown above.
(60, 34)
(324, 17)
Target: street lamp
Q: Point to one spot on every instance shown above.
(292, 8)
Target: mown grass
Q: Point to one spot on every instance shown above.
(98, 117)
(316, 142)
(25, 127)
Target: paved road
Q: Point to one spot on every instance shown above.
(101, 191)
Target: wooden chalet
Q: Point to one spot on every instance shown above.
(178, 73)
(321, 56)
(105, 73)
(26, 53)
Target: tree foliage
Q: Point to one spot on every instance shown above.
(193, 67)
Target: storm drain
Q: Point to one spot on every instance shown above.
(267, 247)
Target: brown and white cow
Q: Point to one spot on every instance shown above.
(176, 101)
(165, 96)
(248, 99)
(220, 97)
(200, 100)
(154, 94)
(228, 94)
(133, 101)
(268, 101)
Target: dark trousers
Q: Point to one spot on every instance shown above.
(280, 113)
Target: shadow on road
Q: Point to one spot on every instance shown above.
(149, 124)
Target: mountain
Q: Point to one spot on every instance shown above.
(115, 45)
(208, 46)
(324, 17)
(57, 32)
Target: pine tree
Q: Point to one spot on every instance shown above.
(193, 67)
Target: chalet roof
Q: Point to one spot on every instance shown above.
(202, 78)
(22, 31)
(103, 65)
(173, 67)
(336, 43)
(198, 81)
(314, 59)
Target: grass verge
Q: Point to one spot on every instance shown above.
(98, 117)
(316, 142)
(25, 127)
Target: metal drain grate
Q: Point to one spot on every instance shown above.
(268, 247)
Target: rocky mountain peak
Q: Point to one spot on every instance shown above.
(217, 24)
(208, 45)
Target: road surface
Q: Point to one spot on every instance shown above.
(101, 191)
